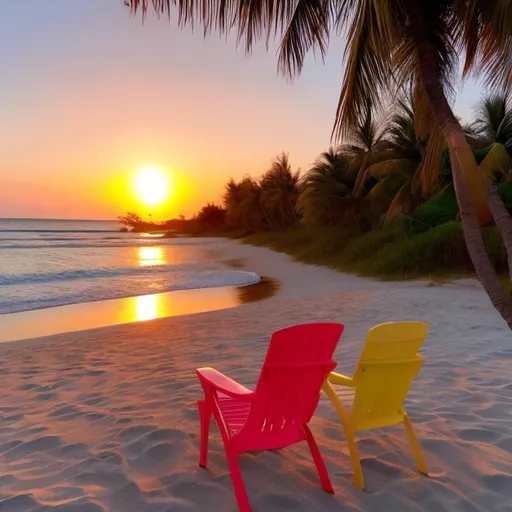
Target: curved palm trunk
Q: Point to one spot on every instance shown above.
(501, 217)
(462, 161)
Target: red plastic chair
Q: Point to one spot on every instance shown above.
(277, 412)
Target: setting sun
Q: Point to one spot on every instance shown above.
(151, 186)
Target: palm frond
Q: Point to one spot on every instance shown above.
(402, 202)
(497, 162)
(403, 167)
(388, 187)
(494, 118)
(308, 27)
(428, 175)
(441, 32)
(485, 33)
(368, 67)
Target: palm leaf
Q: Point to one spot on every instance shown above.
(496, 162)
(401, 166)
(402, 202)
(388, 187)
(308, 27)
(368, 66)
(486, 38)
(429, 169)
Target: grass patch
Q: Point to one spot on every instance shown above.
(389, 252)
(440, 248)
(364, 247)
(320, 246)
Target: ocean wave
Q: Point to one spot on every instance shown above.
(91, 273)
(35, 296)
(106, 242)
(58, 231)
(79, 245)
(62, 238)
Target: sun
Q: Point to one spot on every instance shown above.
(151, 186)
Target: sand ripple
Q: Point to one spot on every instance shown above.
(106, 420)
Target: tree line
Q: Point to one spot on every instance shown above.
(392, 44)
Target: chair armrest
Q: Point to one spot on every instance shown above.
(341, 380)
(219, 381)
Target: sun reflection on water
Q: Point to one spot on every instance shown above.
(149, 256)
(147, 307)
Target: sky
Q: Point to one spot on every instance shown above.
(89, 95)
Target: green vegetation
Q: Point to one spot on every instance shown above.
(368, 206)
(389, 253)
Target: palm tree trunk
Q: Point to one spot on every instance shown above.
(501, 217)
(462, 161)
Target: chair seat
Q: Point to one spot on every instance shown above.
(235, 412)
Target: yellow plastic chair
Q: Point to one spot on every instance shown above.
(387, 366)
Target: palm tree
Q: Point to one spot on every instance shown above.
(212, 216)
(231, 199)
(280, 190)
(494, 125)
(494, 119)
(364, 142)
(242, 202)
(251, 206)
(326, 184)
(389, 42)
(327, 194)
(412, 170)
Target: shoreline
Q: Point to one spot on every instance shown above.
(85, 316)
(106, 419)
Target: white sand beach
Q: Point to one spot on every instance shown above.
(106, 419)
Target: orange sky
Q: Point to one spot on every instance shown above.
(88, 96)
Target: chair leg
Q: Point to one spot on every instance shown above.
(356, 461)
(238, 484)
(349, 434)
(205, 420)
(319, 461)
(420, 461)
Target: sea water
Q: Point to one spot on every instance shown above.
(48, 263)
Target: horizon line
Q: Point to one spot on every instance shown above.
(58, 218)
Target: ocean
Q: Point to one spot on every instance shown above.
(49, 263)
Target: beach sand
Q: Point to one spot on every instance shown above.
(106, 419)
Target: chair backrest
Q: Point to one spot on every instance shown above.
(387, 366)
(298, 361)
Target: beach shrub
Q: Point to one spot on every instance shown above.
(444, 208)
(495, 248)
(440, 250)
(389, 252)
(437, 250)
(505, 192)
(364, 247)
(440, 210)
(281, 240)
(319, 246)
(325, 246)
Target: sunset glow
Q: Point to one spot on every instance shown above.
(77, 128)
(151, 186)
